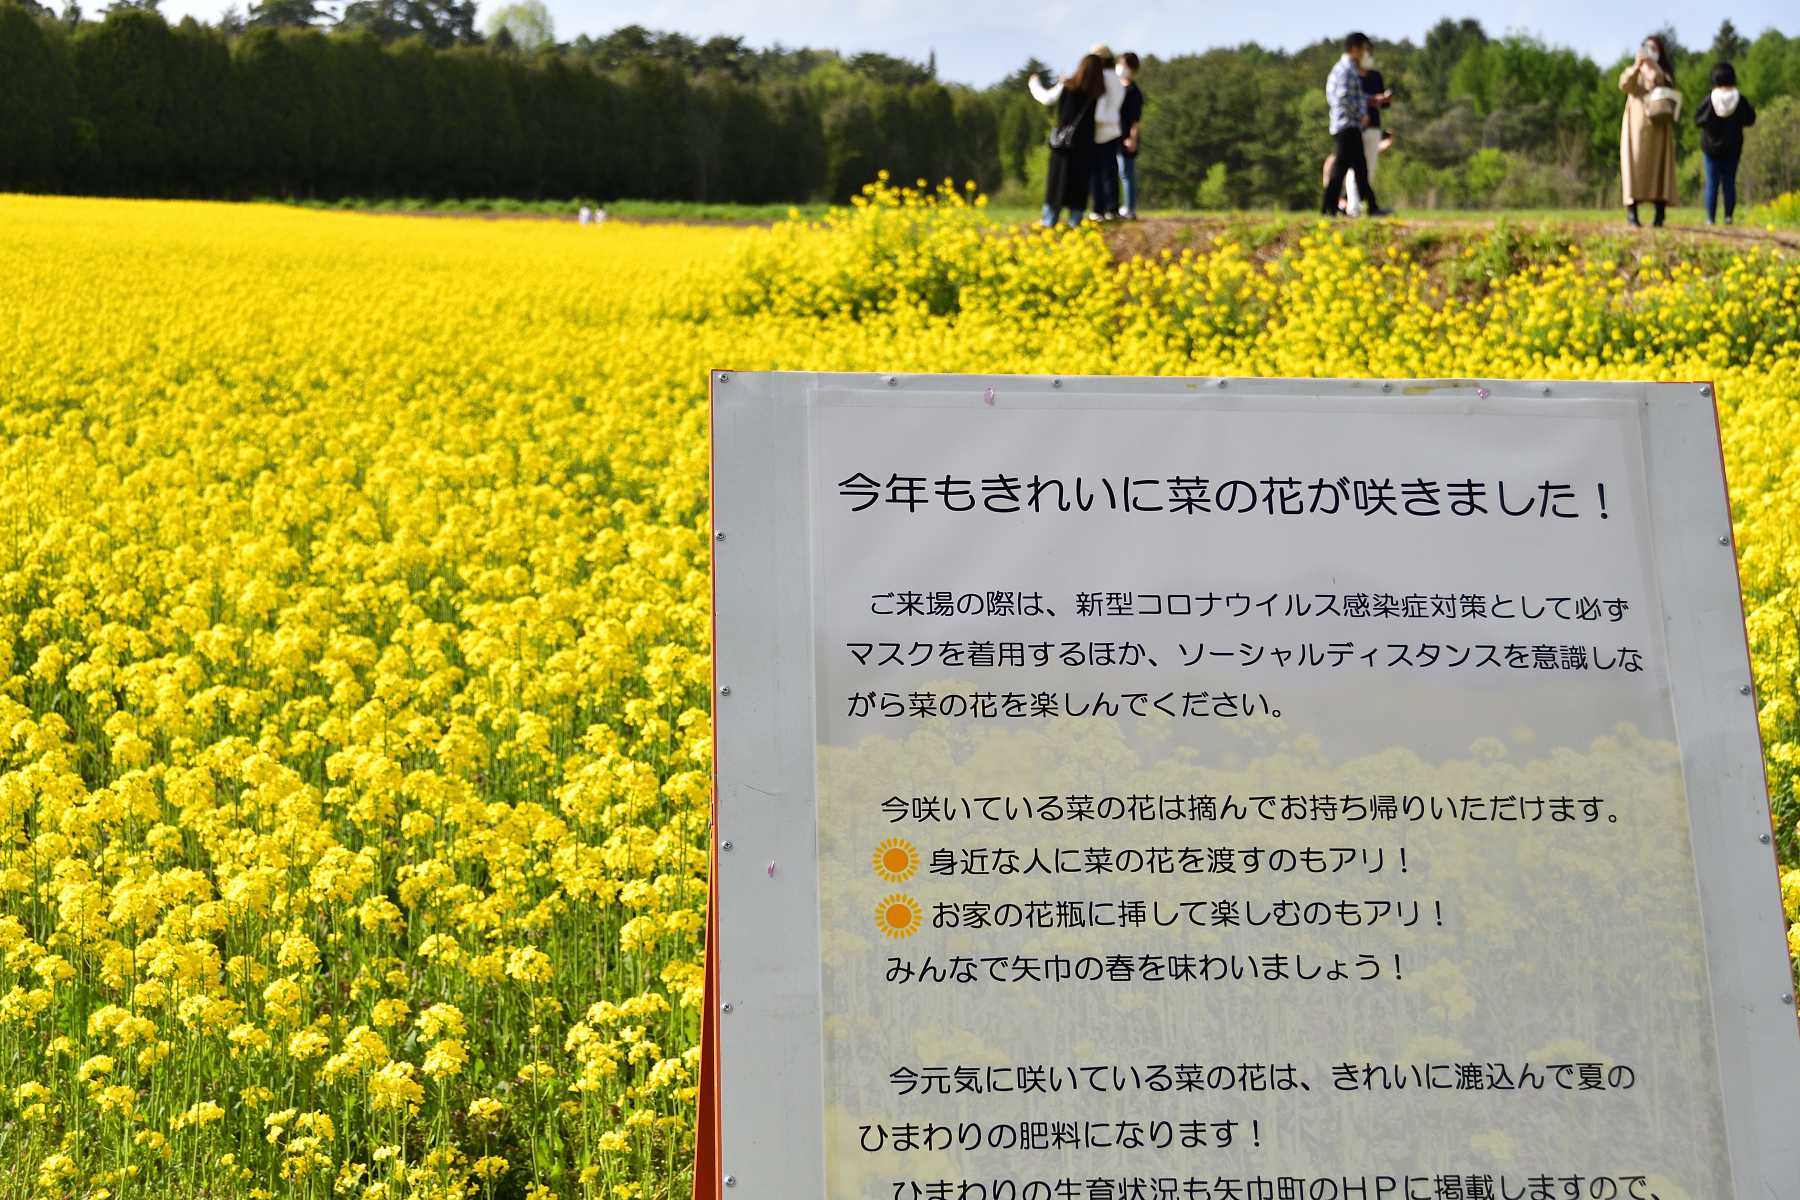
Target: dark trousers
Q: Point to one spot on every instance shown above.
(1066, 182)
(1348, 156)
(1106, 177)
(1721, 177)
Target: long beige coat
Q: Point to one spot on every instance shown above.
(1646, 148)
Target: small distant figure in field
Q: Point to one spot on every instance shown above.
(1348, 110)
(1647, 131)
(1074, 99)
(1109, 137)
(585, 216)
(1131, 121)
(1722, 117)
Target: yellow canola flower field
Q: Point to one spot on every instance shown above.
(354, 735)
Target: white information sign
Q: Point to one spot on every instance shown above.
(1160, 789)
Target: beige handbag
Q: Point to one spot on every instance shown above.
(1663, 105)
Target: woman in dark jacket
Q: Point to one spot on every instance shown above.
(1722, 117)
(1072, 143)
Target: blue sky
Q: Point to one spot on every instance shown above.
(979, 41)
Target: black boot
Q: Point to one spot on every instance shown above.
(1660, 209)
(1631, 215)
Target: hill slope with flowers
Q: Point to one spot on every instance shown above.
(354, 736)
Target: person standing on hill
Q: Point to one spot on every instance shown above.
(1376, 97)
(1131, 120)
(1348, 115)
(1722, 117)
(1647, 131)
(1108, 137)
(1073, 99)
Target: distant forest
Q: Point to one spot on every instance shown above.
(415, 98)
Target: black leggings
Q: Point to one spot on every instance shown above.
(1348, 157)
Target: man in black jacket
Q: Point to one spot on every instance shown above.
(1722, 117)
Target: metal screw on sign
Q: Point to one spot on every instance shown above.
(725, 691)
(1724, 539)
(1706, 389)
(1763, 838)
(726, 1007)
(1056, 383)
(731, 1181)
(719, 536)
(1387, 387)
(724, 845)
(1221, 383)
(1544, 391)
(892, 382)
(724, 376)
(1788, 999)
(1744, 691)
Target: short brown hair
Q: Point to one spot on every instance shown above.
(1129, 59)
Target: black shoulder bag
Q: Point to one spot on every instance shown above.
(1063, 136)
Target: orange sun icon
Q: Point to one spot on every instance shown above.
(896, 860)
(899, 916)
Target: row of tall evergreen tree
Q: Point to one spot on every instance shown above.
(132, 105)
(408, 98)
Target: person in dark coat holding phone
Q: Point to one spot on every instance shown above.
(1073, 99)
(1722, 117)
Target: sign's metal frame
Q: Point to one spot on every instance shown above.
(762, 1104)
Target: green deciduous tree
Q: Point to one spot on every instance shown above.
(527, 23)
(1771, 162)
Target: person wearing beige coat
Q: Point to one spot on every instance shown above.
(1646, 145)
